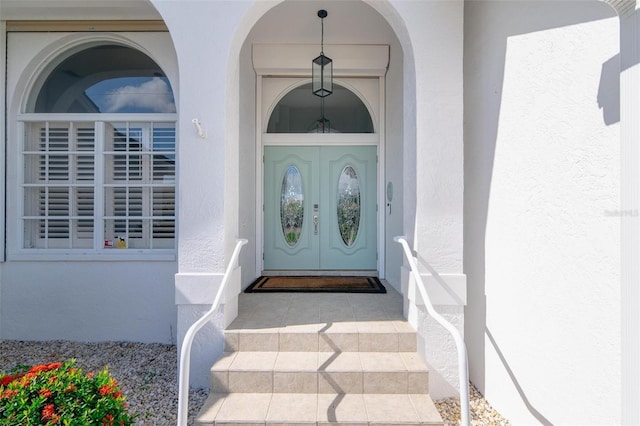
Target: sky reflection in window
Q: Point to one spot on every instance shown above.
(133, 95)
(105, 79)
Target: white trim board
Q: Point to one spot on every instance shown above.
(295, 59)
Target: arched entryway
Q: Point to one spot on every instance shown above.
(359, 36)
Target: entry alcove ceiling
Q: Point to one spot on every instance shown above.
(348, 22)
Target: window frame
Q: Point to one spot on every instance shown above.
(30, 55)
(17, 251)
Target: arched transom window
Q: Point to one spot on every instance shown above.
(98, 155)
(299, 111)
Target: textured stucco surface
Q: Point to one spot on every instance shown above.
(438, 349)
(542, 239)
(89, 301)
(208, 344)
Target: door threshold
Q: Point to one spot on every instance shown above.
(339, 273)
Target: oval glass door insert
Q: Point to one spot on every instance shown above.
(292, 205)
(348, 205)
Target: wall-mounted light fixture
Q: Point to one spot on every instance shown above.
(322, 78)
(202, 132)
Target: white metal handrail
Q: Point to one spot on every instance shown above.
(463, 368)
(185, 352)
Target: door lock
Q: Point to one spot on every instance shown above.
(316, 220)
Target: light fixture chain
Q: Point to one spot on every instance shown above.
(322, 36)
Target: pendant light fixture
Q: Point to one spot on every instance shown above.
(322, 66)
(322, 78)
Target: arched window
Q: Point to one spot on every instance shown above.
(106, 79)
(98, 154)
(299, 111)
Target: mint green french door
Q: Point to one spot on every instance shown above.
(320, 208)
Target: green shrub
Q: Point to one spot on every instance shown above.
(61, 394)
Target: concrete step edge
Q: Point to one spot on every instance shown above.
(335, 409)
(320, 342)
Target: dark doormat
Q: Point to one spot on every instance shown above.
(334, 284)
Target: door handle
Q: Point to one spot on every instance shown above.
(316, 220)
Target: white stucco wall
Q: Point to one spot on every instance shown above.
(88, 301)
(630, 206)
(542, 237)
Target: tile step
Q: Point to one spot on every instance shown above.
(326, 359)
(304, 341)
(320, 372)
(318, 409)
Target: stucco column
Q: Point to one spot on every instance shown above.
(434, 218)
(202, 33)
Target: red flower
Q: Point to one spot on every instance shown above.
(105, 390)
(45, 367)
(70, 388)
(36, 368)
(6, 380)
(45, 393)
(48, 411)
(91, 375)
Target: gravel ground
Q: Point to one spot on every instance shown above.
(147, 374)
(481, 412)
